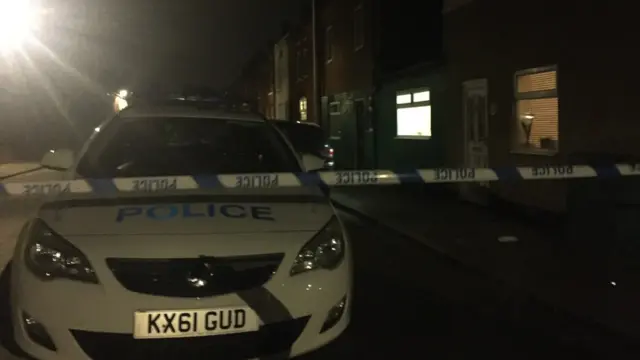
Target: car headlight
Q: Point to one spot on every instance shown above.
(324, 251)
(49, 256)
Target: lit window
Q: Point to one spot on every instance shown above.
(536, 110)
(413, 114)
(403, 99)
(422, 96)
(303, 108)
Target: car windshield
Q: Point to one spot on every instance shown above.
(185, 146)
(304, 138)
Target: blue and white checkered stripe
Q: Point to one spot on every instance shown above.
(325, 178)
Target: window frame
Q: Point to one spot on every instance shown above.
(298, 62)
(278, 73)
(305, 62)
(336, 112)
(328, 45)
(413, 104)
(302, 57)
(532, 95)
(334, 134)
(358, 44)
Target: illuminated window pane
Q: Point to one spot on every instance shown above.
(403, 99)
(542, 81)
(414, 121)
(542, 115)
(536, 123)
(422, 96)
(303, 108)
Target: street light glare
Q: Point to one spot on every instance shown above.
(18, 20)
(123, 93)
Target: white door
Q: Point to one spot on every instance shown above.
(476, 131)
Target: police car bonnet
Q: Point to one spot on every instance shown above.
(188, 218)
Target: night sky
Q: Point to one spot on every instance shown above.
(166, 43)
(54, 91)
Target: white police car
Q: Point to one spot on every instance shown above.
(166, 260)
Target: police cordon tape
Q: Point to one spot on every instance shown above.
(323, 178)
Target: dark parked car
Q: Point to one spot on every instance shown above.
(307, 138)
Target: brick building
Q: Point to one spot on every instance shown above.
(256, 85)
(282, 71)
(344, 70)
(357, 47)
(542, 86)
(302, 74)
(472, 83)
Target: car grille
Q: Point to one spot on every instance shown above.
(194, 277)
(271, 339)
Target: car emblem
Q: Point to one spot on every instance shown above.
(201, 275)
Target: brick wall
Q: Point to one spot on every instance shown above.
(595, 77)
(301, 74)
(349, 67)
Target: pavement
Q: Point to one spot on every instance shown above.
(584, 301)
(408, 300)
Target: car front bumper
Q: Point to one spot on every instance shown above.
(96, 321)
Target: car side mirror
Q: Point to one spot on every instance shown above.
(312, 162)
(58, 159)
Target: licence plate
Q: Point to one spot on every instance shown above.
(194, 323)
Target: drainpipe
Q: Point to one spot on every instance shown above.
(314, 55)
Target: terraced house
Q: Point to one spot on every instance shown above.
(359, 43)
(470, 83)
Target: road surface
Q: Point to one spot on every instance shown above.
(405, 306)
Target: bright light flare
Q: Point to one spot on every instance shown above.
(120, 100)
(120, 103)
(18, 20)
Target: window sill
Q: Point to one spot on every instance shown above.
(541, 152)
(404, 137)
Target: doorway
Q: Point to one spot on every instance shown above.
(361, 133)
(476, 135)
